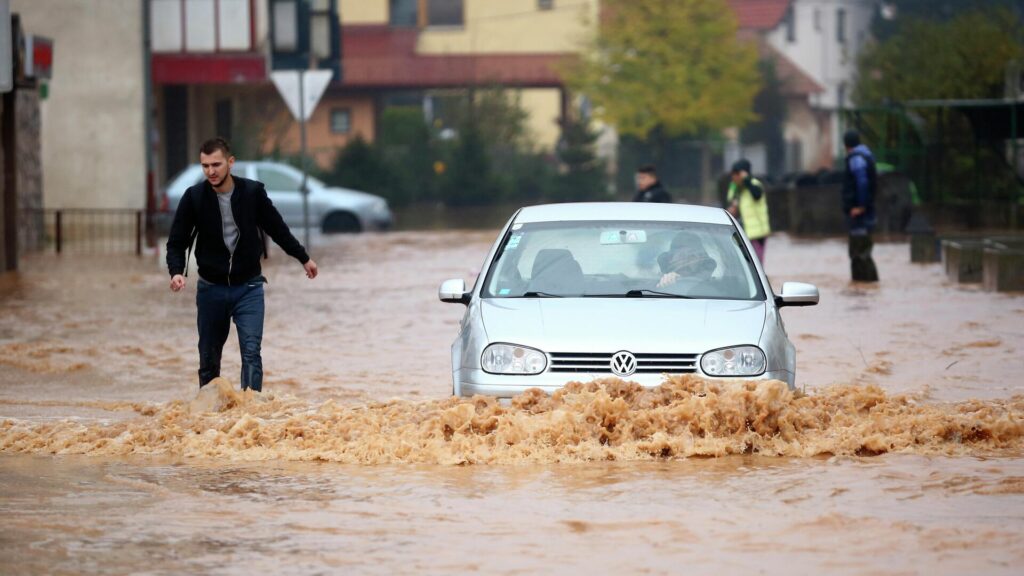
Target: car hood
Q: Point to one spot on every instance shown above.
(607, 325)
(353, 196)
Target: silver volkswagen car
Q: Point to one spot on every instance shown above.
(330, 209)
(634, 290)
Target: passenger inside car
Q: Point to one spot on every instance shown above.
(555, 271)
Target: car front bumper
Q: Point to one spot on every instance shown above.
(379, 221)
(472, 382)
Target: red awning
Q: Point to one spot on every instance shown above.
(221, 68)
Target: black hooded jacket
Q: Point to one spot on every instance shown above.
(654, 193)
(252, 210)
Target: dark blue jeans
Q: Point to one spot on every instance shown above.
(217, 306)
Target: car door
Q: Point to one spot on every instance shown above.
(283, 188)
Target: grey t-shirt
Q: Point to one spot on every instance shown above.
(227, 219)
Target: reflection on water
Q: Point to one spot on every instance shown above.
(903, 455)
(901, 514)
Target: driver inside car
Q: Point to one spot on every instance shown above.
(686, 263)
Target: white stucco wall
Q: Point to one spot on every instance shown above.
(816, 49)
(93, 149)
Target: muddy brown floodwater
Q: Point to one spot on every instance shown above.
(902, 452)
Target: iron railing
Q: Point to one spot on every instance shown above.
(85, 230)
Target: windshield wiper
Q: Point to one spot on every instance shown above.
(536, 294)
(641, 292)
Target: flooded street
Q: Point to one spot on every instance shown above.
(902, 452)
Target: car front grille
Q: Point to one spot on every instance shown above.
(645, 363)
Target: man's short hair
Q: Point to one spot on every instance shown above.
(741, 165)
(647, 169)
(214, 144)
(851, 139)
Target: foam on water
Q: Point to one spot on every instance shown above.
(601, 420)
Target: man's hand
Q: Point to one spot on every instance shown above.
(734, 209)
(310, 268)
(667, 280)
(856, 211)
(177, 283)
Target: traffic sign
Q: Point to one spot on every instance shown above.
(301, 100)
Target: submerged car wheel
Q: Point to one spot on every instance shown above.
(341, 222)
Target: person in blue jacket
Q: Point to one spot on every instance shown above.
(859, 187)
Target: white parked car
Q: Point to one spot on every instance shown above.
(330, 209)
(634, 290)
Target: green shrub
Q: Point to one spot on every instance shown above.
(483, 157)
(362, 166)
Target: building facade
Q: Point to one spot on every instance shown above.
(420, 50)
(110, 135)
(93, 117)
(815, 44)
(211, 58)
(825, 38)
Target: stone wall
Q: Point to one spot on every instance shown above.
(31, 233)
(3, 198)
(27, 181)
(817, 209)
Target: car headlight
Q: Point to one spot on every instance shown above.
(512, 359)
(734, 361)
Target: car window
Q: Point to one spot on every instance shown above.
(606, 258)
(277, 179)
(187, 177)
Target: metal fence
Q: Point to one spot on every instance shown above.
(85, 231)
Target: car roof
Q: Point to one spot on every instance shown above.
(656, 212)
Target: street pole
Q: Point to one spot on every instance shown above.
(147, 115)
(304, 189)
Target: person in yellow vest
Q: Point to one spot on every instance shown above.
(747, 201)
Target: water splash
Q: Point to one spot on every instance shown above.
(601, 420)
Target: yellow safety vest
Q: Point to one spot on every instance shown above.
(753, 213)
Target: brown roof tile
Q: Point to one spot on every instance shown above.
(759, 14)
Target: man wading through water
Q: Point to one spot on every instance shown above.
(226, 216)
(859, 187)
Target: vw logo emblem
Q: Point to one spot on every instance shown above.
(623, 363)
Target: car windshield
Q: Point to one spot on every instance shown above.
(623, 259)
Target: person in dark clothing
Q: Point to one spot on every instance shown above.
(649, 188)
(226, 217)
(859, 186)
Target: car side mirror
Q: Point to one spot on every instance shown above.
(453, 291)
(797, 294)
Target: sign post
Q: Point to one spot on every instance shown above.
(301, 91)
